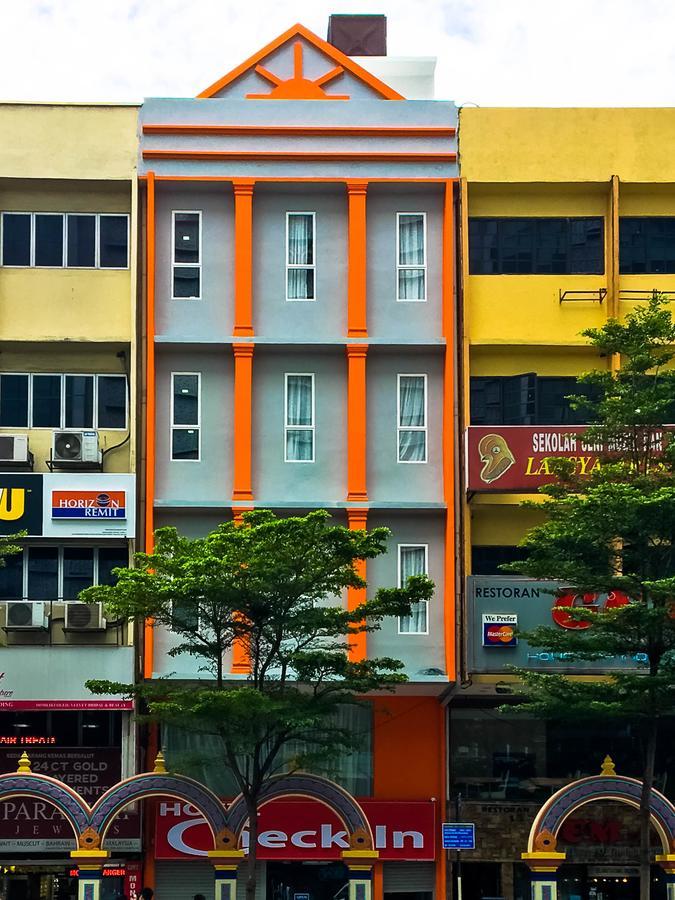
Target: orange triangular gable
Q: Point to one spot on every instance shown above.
(298, 87)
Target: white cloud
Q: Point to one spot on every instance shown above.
(491, 52)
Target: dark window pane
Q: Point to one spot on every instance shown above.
(113, 241)
(519, 399)
(552, 406)
(486, 401)
(186, 238)
(82, 241)
(66, 728)
(95, 729)
(78, 570)
(185, 443)
(48, 240)
(185, 400)
(11, 578)
(14, 401)
(112, 401)
(46, 401)
(545, 246)
(110, 558)
(186, 282)
(647, 245)
(43, 573)
(16, 239)
(79, 401)
(487, 560)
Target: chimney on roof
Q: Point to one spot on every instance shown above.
(360, 35)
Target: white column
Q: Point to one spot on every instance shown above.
(90, 867)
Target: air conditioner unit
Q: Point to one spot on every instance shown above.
(25, 615)
(84, 617)
(75, 447)
(14, 448)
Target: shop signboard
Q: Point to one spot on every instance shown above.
(521, 604)
(28, 824)
(39, 681)
(21, 504)
(304, 830)
(458, 835)
(516, 457)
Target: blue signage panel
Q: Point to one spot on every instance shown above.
(459, 835)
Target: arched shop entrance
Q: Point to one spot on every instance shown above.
(90, 825)
(544, 859)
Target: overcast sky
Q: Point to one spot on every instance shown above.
(490, 52)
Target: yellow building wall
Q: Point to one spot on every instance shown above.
(567, 145)
(495, 525)
(62, 141)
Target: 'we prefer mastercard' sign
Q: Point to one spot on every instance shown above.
(499, 630)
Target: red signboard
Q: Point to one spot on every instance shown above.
(27, 823)
(295, 829)
(515, 457)
(42, 705)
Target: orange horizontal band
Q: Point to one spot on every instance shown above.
(298, 156)
(300, 179)
(306, 130)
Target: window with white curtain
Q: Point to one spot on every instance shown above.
(300, 259)
(185, 415)
(187, 255)
(411, 256)
(413, 560)
(299, 418)
(412, 418)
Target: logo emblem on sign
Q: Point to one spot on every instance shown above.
(12, 503)
(89, 505)
(496, 457)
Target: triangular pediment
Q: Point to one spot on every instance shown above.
(299, 65)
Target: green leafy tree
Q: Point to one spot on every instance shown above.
(273, 585)
(615, 531)
(9, 546)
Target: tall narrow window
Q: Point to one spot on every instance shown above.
(79, 401)
(113, 241)
(299, 429)
(412, 418)
(187, 255)
(13, 401)
(16, 239)
(111, 401)
(185, 416)
(81, 240)
(48, 239)
(300, 265)
(412, 560)
(46, 406)
(78, 570)
(412, 256)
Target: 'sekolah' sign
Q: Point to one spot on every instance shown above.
(517, 457)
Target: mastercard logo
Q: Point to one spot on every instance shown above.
(500, 634)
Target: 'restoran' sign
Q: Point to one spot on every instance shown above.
(304, 830)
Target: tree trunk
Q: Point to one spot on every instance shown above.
(645, 798)
(251, 879)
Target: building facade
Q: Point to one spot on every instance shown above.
(299, 285)
(567, 219)
(68, 453)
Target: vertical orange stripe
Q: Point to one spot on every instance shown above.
(356, 280)
(356, 422)
(449, 443)
(148, 632)
(243, 257)
(442, 860)
(241, 661)
(243, 388)
(357, 521)
(378, 881)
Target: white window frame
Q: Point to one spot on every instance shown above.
(62, 412)
(288, 427)
(181, 265)
(198, 426)
(424, 428)
(64, 258)
(400, 268)
(401, 547)
(289, 266)
(60, 577)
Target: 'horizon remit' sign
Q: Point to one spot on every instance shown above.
(89, 505)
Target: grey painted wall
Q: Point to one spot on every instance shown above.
(389, 480)
(210, 318)
(209, 479)
(314, 483)
(389, 319)
(273, 316)
(417, 651)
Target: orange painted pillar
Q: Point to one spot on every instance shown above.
(356, 422)
(356, 280)
(150, 238)
(378, 881)
(243, 386)
(241, 663)
(243, 257)
(449, 431)
(357, 521)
